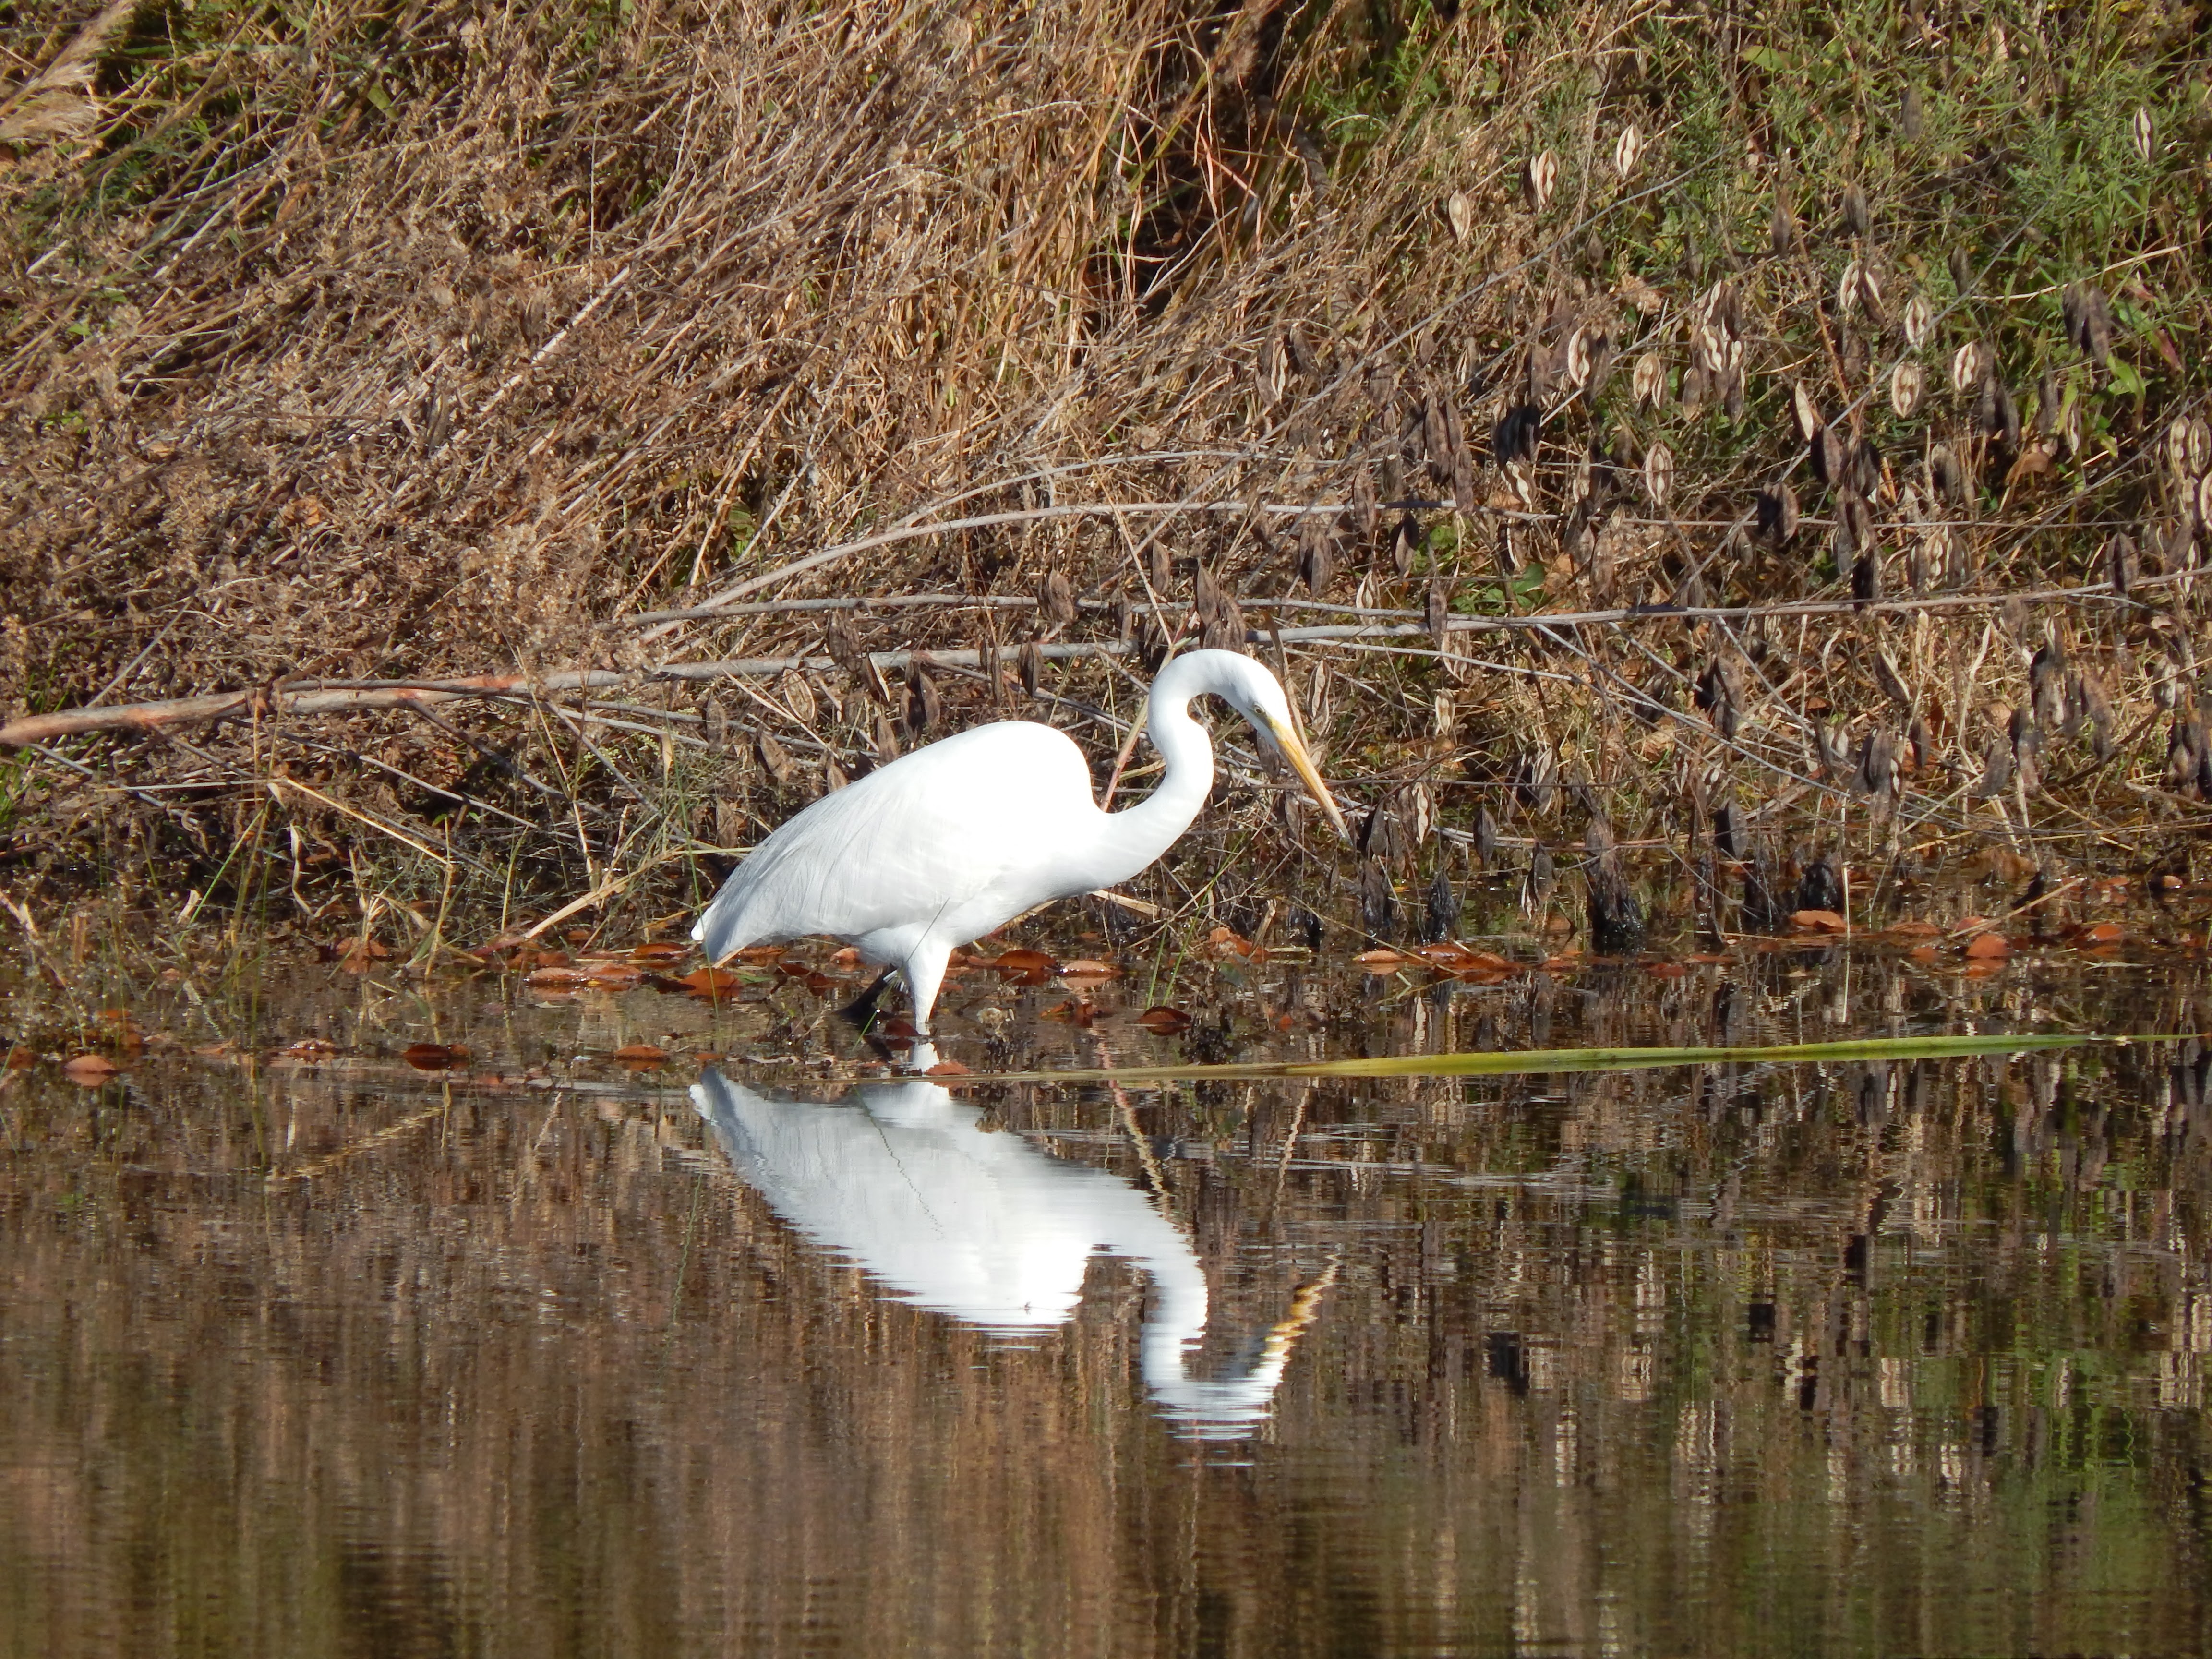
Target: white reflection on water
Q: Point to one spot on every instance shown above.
(899, 1179)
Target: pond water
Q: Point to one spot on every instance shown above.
(766, 1348)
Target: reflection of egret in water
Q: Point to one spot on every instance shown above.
(987, 1228)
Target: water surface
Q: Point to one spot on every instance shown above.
(309, 1350)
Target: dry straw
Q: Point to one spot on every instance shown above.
(530, 366)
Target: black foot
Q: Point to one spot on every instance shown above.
(862, 1010)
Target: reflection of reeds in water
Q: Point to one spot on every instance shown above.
(543, 1375)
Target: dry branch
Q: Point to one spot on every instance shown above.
(345, 696)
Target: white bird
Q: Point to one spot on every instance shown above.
(902, 1179)
(955, 839)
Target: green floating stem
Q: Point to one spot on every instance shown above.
(1583, 1059)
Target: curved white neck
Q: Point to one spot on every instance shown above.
(1136, 836)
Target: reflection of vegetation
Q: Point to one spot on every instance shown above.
(1762, 1359)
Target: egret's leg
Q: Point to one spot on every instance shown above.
(862, 1010)
(924, 972)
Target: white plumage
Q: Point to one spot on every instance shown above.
(945, 844)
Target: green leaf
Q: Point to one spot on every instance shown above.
(1593, 1060)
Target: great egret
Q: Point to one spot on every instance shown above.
(949, 843)
(902, 1180)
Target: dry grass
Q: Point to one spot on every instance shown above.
(378, 342)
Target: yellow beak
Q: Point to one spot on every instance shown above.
(1295, 752)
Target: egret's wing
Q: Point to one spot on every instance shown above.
(979, 813)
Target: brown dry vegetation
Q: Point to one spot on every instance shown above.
(382, 341)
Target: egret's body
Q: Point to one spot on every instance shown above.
(953, 840)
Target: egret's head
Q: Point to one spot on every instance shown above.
(1252, 692)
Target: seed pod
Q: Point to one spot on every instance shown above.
(1030, 665)
(2146, 136)
(1722, 310)
(1603, 354)
(716, 723)
(1866, 575)
(2178, 546)
(1853, 522)
(925, 709)
(2185, 753)
(844, 649)
(1728, 837)
(1830, 454)
(2002, 417)
(2093, 709)
(1459, 214)
(1869, 295)
(1461, 464)
(2199, 451)
(1485, 836)
(1267, 373)
(1316, 554)
(1206, 598)
(1515, 436)
(2120, 561)
(1778, 514)
(2204, 502)
(1536, 886)
(1782, 227)
(1808, 413)
(1891, 681)
(1932, 566)
(1946, 477)
(1857, 215)
(1438, 613)
(1056, 599)
(1962, 271)
(1158, 567)
(1904, 385)
(1996, 769)
(887, 744)
(1436, 437)
(1969, 366)
(1659, 473)
(2177, 447)
(1366, 510)
(1442, 919)
(797, 696)
(1404, 544)
(1831, 749)
(1625, 149)
(1909, 115)
(1918, 318)
(1541, 177)
(774, 760)
(1862, 467)
(1578, 358)
(2046, 684)
(1719, 693)
(1876, 774)
(1847, 289)
(1226, 632)
(1648, 378)
(1536, 777)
